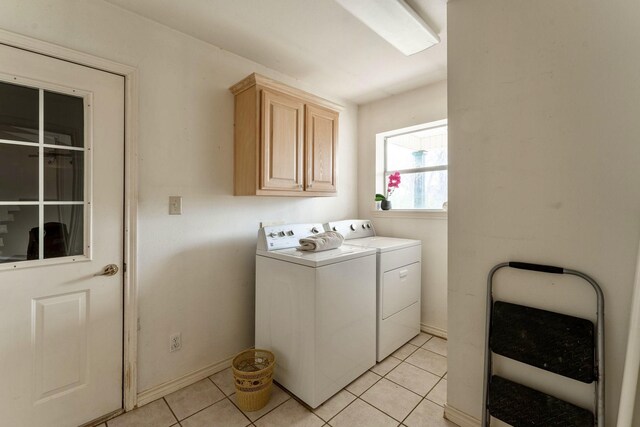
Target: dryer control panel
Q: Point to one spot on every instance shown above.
(286, 236)
(352, 228)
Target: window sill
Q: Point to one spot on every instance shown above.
(410, 213)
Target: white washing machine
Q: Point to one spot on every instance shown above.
(398, 282)
(315, 311)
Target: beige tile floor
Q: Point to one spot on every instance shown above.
(408, 388)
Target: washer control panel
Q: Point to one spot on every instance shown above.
(352, 228)
(286, 236)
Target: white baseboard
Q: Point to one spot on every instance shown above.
(163, 389)
(438, 332)
(460, 418)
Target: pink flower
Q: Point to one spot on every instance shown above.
(394, 182)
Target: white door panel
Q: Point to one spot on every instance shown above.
(61, 353)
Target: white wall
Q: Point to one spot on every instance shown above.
(418, 106)
(544, 153)
(196, 270)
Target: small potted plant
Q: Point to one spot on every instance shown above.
(394, 182)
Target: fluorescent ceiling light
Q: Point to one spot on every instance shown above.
(395, 21)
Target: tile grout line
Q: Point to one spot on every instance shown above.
(434, 352)
(408, 389)
(359, 398)
(367, 389)
(437, 354)
(441, 377)
(304, 405)
(200, 410)
(409, 353)
(432, 373)
(263, 415)
(171, 409)
(349, 404)
(227, 397)
(242, 412)
(380, 409)
(422, 346)
(411, 411)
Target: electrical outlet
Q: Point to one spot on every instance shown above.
(175, 342)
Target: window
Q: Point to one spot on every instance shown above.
(43, 156)
(420, 154)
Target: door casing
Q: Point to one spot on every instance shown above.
(130, 291)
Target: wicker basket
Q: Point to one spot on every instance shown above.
(253, 374)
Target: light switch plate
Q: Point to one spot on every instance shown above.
(175, 205)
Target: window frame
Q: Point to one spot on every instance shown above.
(382, 172)
(87, 201)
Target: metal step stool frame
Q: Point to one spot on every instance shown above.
(599, 342)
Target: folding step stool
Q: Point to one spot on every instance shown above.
(558, 343)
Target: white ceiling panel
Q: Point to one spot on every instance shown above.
(315, 41)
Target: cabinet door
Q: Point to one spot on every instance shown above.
(321, 144)
(282, 143)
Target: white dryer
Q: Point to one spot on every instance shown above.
(398, 282)
(315, 311)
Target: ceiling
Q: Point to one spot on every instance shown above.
(315, 41)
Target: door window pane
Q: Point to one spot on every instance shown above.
(18, 227)
(18, 113)
(63, 119)
(63, 175)
(63, 230)
(18, 173)
(42, 209)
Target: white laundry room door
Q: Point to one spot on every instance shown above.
(61, 241)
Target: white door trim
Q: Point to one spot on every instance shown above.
(130, 74)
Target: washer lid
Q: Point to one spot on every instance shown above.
(318, 259)
(383, 244)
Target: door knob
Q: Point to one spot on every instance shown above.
(109, 270)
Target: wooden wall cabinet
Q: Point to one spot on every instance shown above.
(285, 140)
